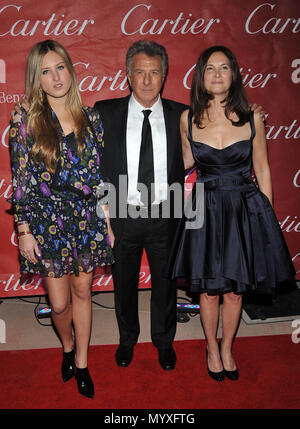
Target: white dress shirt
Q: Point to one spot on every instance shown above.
(133, 144)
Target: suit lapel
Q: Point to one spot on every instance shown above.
(121, 114)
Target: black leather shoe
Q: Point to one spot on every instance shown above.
(84, 382)
(68, 365)
(124, 355)
(167, 358)
(217, 376)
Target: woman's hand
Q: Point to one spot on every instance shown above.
(29, 248)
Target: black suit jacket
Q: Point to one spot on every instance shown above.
(114, 114)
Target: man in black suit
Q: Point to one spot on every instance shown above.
(123, 120)
(123, 123)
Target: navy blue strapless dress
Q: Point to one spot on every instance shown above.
(240, 246)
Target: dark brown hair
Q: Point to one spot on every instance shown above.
(236, 100)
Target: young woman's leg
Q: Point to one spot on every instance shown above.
(82, 315)
(58, 290)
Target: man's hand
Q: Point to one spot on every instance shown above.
(258, 109)
(111, 236)
(17, 111)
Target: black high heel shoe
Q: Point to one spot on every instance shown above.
(84, 382)
(68, 365)
(231, 375)
(217, 376)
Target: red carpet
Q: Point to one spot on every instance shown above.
(269, 378)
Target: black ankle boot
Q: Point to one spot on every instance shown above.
(68, 365)
(84, 382)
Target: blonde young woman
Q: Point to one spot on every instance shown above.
(56, 164)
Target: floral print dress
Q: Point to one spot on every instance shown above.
(61, 207)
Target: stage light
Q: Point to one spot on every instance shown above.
(43, 312)
(188, 308)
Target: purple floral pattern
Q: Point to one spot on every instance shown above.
(61, 207)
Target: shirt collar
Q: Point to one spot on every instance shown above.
(136, 108)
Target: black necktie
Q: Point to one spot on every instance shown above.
(146, 164)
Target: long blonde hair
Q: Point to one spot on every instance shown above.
(40, 123)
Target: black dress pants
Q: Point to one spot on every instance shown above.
(151, 234)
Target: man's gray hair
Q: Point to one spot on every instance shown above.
(149, 48)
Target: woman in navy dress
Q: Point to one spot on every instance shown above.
(240, 245)
(56, 164)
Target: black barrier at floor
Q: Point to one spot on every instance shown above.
(283, 304)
